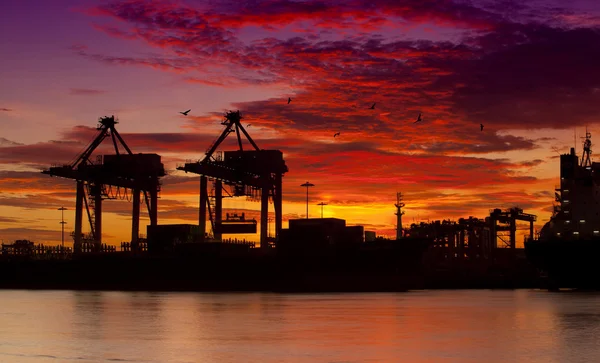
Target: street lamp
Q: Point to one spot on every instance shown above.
(269, 220)
(307, 185)
(62, 222)
(322, 204)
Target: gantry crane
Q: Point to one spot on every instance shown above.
(248, 173)
(136, 172)
(509, 220)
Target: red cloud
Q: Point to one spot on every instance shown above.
(280, 13)
(452, 79)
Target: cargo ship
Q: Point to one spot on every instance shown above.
(567, 248)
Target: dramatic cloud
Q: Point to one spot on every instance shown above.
(5, 142)
(532, 76)
(159, 63)
(278, 14)
(59, 152)
(40, 155)
(28, 182)
(85, 92)
(493, 76)
(10, 220)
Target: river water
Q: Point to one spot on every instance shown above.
(423, 326)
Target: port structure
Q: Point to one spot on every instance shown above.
(399, 213)
(475, 238)
(465, 239)
(252, 173)
(131, 174)
(506, 221)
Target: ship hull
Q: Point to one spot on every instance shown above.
(567, 264)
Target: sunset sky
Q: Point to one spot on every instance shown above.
(528, 71)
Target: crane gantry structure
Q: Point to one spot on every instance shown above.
(248, 173)
(139, 173)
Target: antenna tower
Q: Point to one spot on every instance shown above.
(586, 160)
(399, 213)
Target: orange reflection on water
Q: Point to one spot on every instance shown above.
(426, 326)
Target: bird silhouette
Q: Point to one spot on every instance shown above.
(372, 107)
(418, 119)
(248, 125)
(185, 113)
(289, 100)
(336, 134)
(481, 125)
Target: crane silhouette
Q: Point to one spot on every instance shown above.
(481, 125)
(185, 112)
(418, 119)
(336, 134)
(372, 107)
(289, 100)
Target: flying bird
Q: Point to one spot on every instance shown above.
(373, 107)
(185, 113)
(336, 134)
(289, 100)
(418, 119)
(481, 125)
(248, 125)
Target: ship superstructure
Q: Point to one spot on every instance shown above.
(576, 215)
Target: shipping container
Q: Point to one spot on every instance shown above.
(236, 227)
(162, 238)
(134, 164)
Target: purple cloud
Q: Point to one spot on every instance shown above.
(85, 91)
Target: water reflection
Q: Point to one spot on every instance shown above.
(88, 315)
(428, 326)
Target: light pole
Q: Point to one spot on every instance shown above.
(62, 222)
(307, 185)
(269, 220)
(322, 204)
